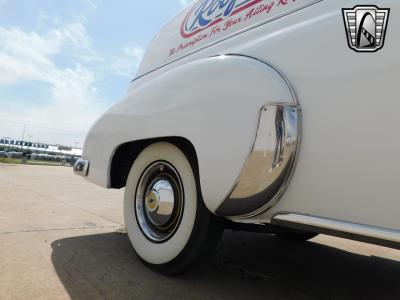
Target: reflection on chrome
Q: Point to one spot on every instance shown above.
(81, 167)
(159, 201)
(269, 166)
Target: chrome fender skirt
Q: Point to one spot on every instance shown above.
(270, 164)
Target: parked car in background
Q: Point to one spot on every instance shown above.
(3, 154)
(13, 154)
(257, 112)
(71, 160)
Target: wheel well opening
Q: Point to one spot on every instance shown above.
(127, 153)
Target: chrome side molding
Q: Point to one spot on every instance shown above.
(364, 233)
(267, 171)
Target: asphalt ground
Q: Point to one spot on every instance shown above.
(62, 238)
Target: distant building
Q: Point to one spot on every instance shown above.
(39, 147)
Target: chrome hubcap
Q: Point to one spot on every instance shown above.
(159, 201)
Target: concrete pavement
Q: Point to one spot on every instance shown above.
(60, 239)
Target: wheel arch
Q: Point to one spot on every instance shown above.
(126, 154)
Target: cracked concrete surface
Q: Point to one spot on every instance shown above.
(63, 238)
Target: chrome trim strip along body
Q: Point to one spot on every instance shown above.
(360, 232)
(266, 173)
(81, 167)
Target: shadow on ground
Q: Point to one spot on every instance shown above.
(245, 266)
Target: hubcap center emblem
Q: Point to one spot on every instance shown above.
(152, 200)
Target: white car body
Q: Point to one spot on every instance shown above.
(208, 86)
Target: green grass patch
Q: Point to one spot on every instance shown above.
(6, 160)
(45, 163)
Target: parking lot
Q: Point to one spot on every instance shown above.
(62, 238)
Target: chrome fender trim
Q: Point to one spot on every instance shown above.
(267, 171)
(360, 232)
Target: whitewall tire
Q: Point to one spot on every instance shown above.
(167, 222)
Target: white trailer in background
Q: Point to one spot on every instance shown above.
(36, 147)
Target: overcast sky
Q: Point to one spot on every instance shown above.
(63, 63)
